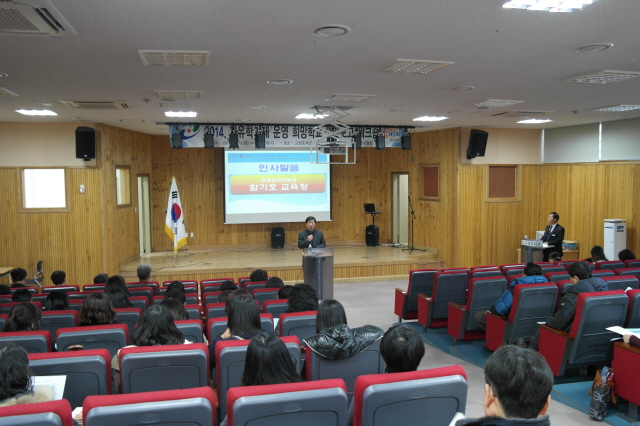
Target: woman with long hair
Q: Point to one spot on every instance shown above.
(97, 309)
(330, 313)
(16, 386)
(23, 317)
(56, 301)
(597, 255)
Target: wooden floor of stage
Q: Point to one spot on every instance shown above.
(349, 262)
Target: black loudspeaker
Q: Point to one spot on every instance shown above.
(233, 141)
(85, 143)
(260, 141)
(357, 140)
(380, 141)
(277, 238)
(176, 141)
(477, 143)
(405, 142)
(373, 235)
(208, 140)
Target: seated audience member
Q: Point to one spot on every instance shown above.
(330, 314)
(175, 285)
(224, 296)
(517, 391)
(581, 282)
(176, 294)
(175, 308)
(59, 278)
(228, 285)
(267, 363)
(555, 257)
(18, 278)
(597, 255)
(22, 295)
(4, 289)
(302, 298)
(626, 254)
(56, 301)
(119, 299)
(532, 275)
(23, 317)
(144, 272)
(155, 328)
(100, 279)
(274, 282)
(114, 283)
(17, 385)
(285, 292)
(97, 309)
(243, 322)
(258, 275)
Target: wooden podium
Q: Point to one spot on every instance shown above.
(318, 270)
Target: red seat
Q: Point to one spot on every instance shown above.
(301, 324)
(628, 271)
(111, 337)
(32, 341)
(621, 282)
(275, 307)
(250, 285)
(264, 294)
(632, 263)
(447, 287)
(610, 264)
(633, 313)
(406, 302)
(213, 282)
(553, 277)
(16, 414)
(65, 288)
(209, 298)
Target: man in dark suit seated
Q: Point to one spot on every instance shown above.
(311, 237)
(553, 236)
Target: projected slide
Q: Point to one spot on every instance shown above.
(275, 187)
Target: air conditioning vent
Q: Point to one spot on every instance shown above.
(6, 92)
(327, 107)
(520, 114)
(32, 17)
(96, 105)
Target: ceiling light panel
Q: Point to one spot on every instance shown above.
(605, 77)
(496, 103)
(415, 66)
(619, 108)
(430, 118)
(548, 5)
(181, 114)
(349, 98)
(174, 58)
(40, 112)
(178, 94)
(6, 92)
(534, 121)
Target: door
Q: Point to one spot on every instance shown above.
(400, 185)
(144, 217)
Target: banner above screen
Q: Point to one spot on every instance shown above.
(276, 136)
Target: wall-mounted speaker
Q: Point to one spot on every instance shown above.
(260, 140)
(380, 141)
(233, 141)
(176, 141)
(208, 140)
(357, 140)
(85, 143)
(477, 143)
(405, 142)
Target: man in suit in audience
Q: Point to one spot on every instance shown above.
(553, 236)
(59, 278)
(517, 391)
(18, 278)
(311, 237)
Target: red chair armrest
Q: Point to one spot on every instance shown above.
(554, 346)
(496, 325)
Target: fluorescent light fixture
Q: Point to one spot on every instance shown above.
(311, 116)
(429, 118)
(181, 113)
(35, 112)
(534, 121)
(548, 5)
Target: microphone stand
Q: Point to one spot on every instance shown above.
(413, 216)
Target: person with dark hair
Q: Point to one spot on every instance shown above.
(581, 282)
(100, 279)
(555, 257)
(119, 299)
(330, 313)
(97, 309)
(228, 285)
(311, 237)
(285, 292)
(144, 272)
(175, 308)
(23, 317)
(224, 296)
(243, 322)
(517, 391)
(274, 282)
(56, 301)
(114, 283)
(59, 278)
(553, 236)
(402, 349)
(302, 298)
(626, 254)
(22, 295)
(176, 294)
(18, 278)
(267, 363)
(597, 255)
(177, 285)
(258, 275)
(4, 289)
(16, 386)
(532, 274)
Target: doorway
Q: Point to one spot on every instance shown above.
(400, 210)
(144, 217)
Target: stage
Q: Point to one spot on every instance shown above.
(351, 262)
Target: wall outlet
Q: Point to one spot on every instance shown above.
(192, 235)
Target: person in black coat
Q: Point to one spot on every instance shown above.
(311, 237)
(553, 236)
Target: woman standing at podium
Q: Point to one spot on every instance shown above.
(311, 237)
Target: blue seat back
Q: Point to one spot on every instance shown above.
(420, 282)
(532, 303)
(449, 287)
(602, 273)
(53, 320)
(621, 282)
(486, 273)
(484, 293)
(191, 330)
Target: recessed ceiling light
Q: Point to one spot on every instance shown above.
(605, 77)
(462, 88)
(415, 66)
(305, 116)
(592, 48)
(496, 103)
(4, 74)
(619, 108)
(282, 81)
(181, 113)
(548, 5)
(331, 30)
(534, 121)
(430, 118)
(256, 106)
(46, 104)
(35, 112)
